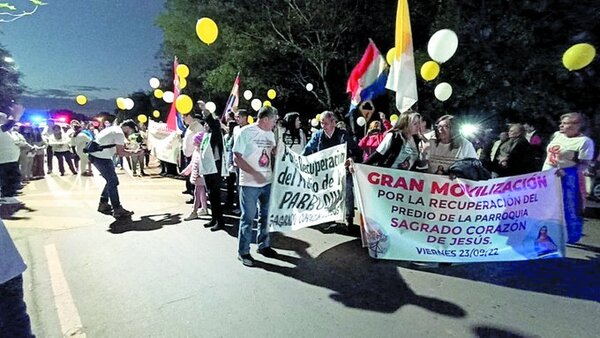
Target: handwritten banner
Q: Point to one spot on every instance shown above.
(307, 190)
(430, 218)
(164, 144)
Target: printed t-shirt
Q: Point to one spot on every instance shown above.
(441, 156)
(407, 156)
(563, 152)
(255, 145)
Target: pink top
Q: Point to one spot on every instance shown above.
(369, 144)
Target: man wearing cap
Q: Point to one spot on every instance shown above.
(113, 140)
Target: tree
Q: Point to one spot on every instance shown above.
(10, 12)
(10, 87)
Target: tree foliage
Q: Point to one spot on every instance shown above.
(10, 87)
(507, 67)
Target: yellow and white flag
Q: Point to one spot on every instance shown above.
(402, 78)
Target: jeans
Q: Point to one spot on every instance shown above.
(63, 156)
(106, 168)
(14, 320)
(249, 196)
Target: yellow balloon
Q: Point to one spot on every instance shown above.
(156, 114)
(81, 99)
(250, 119)
(391, 54)
(578, 56)
(393, 118)
(430, 70)
(121, 103)
(207, 30)
(184, 104)
(182, 70)
(142, 118)
(158, 93)
(271, 93)
(267, 103)
(182, 83)
(318, 117)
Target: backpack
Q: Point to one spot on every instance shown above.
(93, 146)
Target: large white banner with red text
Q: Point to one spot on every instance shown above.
(430, 218)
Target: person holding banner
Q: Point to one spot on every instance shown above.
(400, 146)
(448, 146)
(253, 150)
(571, 152)
(330, 135)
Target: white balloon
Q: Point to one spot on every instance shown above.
(129, 104)
(256, 104)
(314, 123)
(154, 83)
(168, 96)
(211, 106)
(361, 121)
(442, 45)
(443, 91)
(247, 95)
(309, 87)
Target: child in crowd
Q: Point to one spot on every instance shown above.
(193, 170)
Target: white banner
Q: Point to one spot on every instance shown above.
(422, 217)
(164, 144)
(307, 190)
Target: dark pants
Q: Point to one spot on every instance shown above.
(213, 184)
(62, 157)
(14, 320)
(49, 155)
(231, 189)
(10, 179)
(107, 170)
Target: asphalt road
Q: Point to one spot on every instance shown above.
(158, 276)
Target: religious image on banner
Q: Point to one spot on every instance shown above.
(430, 218)
(307, 190)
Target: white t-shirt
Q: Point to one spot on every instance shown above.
(562, 151)
(408, 155)
(255, 145)
(110, 135)
(441, 157)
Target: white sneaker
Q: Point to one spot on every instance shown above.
(203, 212)
(193, 215)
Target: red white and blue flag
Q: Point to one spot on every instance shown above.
(174, 120)
(369, 76)
(234, 98)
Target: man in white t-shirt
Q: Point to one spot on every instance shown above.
(113, 139)
(253, 150)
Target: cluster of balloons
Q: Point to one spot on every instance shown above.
(441, 47)
(81, 100)
(207, 30)
(256, 103)
(578, 56)
(125, 103)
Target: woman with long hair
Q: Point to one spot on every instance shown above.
(372, 140)
(399, 149)
(293, 136)
(448, 146)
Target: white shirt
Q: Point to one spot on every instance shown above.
(9, 150)
(409, 153)
(563, 152)
(188, 139)
(59, 145)
(441, 157)
(255, 145)
(110, 135)
(11, 263)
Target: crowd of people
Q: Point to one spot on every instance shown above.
(235, 154)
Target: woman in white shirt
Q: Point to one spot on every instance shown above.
(448, 146)
(61, 145)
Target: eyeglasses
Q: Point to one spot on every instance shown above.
(442, 126)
